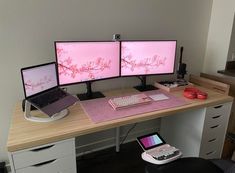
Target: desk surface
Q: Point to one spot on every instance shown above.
(24, 134)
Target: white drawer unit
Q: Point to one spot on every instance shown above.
(61, 165)
(214, 131)
(56, 157)
(198, 133)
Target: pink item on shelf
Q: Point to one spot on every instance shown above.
(99, 110)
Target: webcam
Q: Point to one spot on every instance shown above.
(116, 37)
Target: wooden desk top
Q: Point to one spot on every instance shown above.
(24, 134)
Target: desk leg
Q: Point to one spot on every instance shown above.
(117, 139)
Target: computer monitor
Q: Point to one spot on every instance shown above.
(143, 58)
(87, 61)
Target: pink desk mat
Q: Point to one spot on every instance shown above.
(99, 110)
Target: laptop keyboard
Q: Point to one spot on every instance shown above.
(165, 154)
(48, 98)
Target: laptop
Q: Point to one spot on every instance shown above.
(41, 89)
(156, 150)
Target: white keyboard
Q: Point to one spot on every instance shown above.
(165, 153)
(128, 101)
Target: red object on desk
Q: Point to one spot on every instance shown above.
(193, 93)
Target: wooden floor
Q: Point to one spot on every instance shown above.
(128, 160)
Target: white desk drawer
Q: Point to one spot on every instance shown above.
(61, 165)
(44, 153)
(218, 110)
(210, 139)
(216, 119)
(212, 146)
(213, 131)
(215, 127)
(212, 154)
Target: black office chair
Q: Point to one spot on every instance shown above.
(193, 165)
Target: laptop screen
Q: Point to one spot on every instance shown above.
(37, 79)
(150, 141)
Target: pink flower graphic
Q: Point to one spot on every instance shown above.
(129, 62)
(90, 68)
(29, 85)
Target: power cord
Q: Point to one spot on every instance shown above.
(128, 133)
(106, 153)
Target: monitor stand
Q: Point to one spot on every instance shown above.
(89, 95)
(30, 117)
(143, 86)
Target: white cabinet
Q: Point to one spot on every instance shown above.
(199, 132)
(59, 157)
(215, 126)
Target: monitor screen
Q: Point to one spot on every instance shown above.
(37, 79)
(147, 57)
(87, 61)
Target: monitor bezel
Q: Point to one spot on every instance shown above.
(137, 75)
(148, 135)
(74, 83)
(35, 66)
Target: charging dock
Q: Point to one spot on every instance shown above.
(30, 117)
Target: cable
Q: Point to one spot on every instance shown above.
(128, 133)
(104, 153)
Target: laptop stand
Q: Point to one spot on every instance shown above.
(29, 117)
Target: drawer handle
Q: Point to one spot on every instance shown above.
(216, 107)
(212, 140)
(216, 116)
(210, 152)
(44, 163)
(43, 148)
(214, 126)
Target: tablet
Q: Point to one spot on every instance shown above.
(150, 141)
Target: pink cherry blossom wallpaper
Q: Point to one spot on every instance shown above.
(40, 78)
(85, 61)
(147, 57)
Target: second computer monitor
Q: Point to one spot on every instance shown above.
(143, 58)
(140, 58)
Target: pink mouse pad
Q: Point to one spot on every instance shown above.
(99, 110)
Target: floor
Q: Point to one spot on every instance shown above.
(128, 160)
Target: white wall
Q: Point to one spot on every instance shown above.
(231, 51)
(28, 29)
(219, 35)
